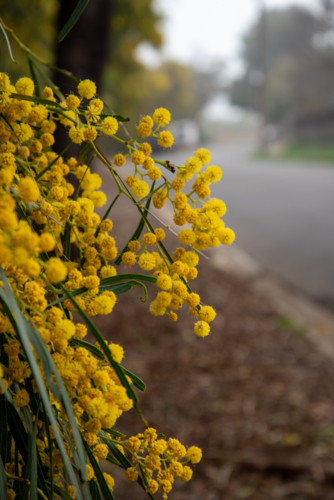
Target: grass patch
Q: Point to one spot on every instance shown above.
(301, 151)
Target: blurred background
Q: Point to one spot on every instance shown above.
(253, 81)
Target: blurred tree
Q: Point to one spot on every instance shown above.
(34, 23)
(296, 60)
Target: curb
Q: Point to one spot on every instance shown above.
(285, 299)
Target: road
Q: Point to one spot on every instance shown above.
(282, 213)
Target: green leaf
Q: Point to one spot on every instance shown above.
(26, 335)
(99, 475)
(84, 153)
(61, 493)
(32, 461)
(137, 382)
(107, 281)
(119, 118)
(94, 350)
(106, 214)
(73, 19)
(34, 77)
(120, 288)
(8, 43)
(138, 231)
(3, 429)
(112, 432)
(39, 100)
(48, 81)
(94, 490)
(118, 369)
(3, 480)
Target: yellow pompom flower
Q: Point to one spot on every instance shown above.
(187, 237)
(149, 239)
(47, 139)
(28, 189)
(207, 314)
(47, 242)
(165, 139)
(107, 271)
(109, 480)
(109, 125)
(164, 282)
(76, 135)
(103, 304)
(21, 398)
(117, 352)
(140, 189)
(212, 174)
(89, 134)
(201, 329)
(98, 407)
(25, 86)
(72, 101)
(87, 89)
(131, 474)
(161, 116)
(56, 271)
(22, 131)
(204, 155)
(64, 329)
(119, 160)
(226, 235)
(194, 454)
(186, 473)
(129, 258)
(138, 157)
(146, 261)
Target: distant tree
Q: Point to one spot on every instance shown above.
(290, 71)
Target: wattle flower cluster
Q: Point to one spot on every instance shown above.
(42, 215)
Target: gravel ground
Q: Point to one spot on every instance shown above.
(257, 398)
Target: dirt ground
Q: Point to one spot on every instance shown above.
(256, 397)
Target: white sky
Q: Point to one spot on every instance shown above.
(197, 31)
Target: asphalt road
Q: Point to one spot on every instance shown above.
(282, 213)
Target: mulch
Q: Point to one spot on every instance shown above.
(257, 398)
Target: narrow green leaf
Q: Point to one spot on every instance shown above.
(3, 428)
(99, 474)
(26, 335)
(138, 231)
(128, 276)
(94, 490)
(112, 460)
(34, 77)
(108, 281)
(94, 350)
(8, 43)
(61, 493)
(48, 81)
(119, 118)
(32, 461)
(119, 455)
(118, 369)
(112, 432)
(39, 100)
(73, 19)
(84, 153)
(106, 214)
(137, 382)
(3, 480)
